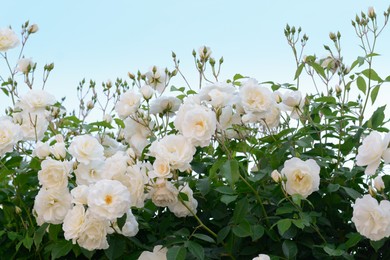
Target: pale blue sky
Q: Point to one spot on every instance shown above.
(106, 39)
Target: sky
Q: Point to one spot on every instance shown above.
(103, 40)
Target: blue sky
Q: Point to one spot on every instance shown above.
(104, 40)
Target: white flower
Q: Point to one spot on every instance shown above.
(42, 150)
(58, 150)
(165, 105)
(371, 219)
(52, 205)
(163, 193)
(80, 195)
(10, 134)
(87, 174)
(128, 104)
(159, 253)
(255, 98)
(204, 53)
(271, 119)
(147, 92)
(130, 228)
(219, 94)
(174, 149)
(179, 209)
(111, 146)
(136, 134)
(86, 149)
(108, 199)
(303, 177)
(276, 176)
(74, 222)
(54, 174)
(8, 39)
(378, 183)
(93, 234)
(227, 119)
(156, 79)
(36, 100)
(161, 169)
(25, 65)
(371, 151)
(115, 165)
(33, 124)
(107, 118)
(262, 257)
(293, 101)
(196, 122)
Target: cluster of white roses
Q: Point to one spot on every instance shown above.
(370, 218)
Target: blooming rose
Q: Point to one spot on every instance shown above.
(54, 174)
(25, 65)
(36, 100)
(8, 39)
(303, 177)
(115, 165)
(130, 228)
(219, 94)
(58, 150)
(146, 91)
(159, 253)
(163, 193)
(227, 119)
(165, 105)
(262, 257)
(33, 124)
(93, 234)
(86, 149)
(52, 205)
(108, 199)
(161, 169)
(42, 150)
(378, 183)
(73, 222)
(255, 98)
(80, 194)
(89, 174)
(179, 209)
(128, 104)
(371, 219)
(136, 134)
(10, 134)
(111, 146)
(174, 149)
(156, 79)
(196, 122)
(371, 151)
(293, 101)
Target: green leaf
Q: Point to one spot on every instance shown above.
(257, 232)
(283, 225)
(204, 237)
(374, 94)
(121, 221)
(243, 229)
(285, 210)
(176, 253)
(299, 70)
(333, 187)
(361, 84)
(230, 171)
(60, 248)
(27, 242)
(237, 77)
(203, 185)
(222, 234)
(352, 193)
(290, 249)
(377, 244)
(39, 233)
(53, 231)
(371, 74)
(318, 69)
(117, 247)
(195, 249)
(228, 198)
(353, 239)
(378, 117)
(328, 100)
(225, 190)
(240, 210)
(330, 250)
(119, 122)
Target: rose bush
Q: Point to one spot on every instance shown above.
(232, 168)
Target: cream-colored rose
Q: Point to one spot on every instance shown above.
(108, 199)
(25, 65)
(86, 149)
(80, 195)
(93, 234)
(42, 150)
(219, 94)
(111, 146)
(33, 124)
(146, 91)
(262, 257)
(159, 253)
(294, 102)
(371, 219)
(165, 105)
(204, 53)
(163, 193)
(370, 152)
(89, 174)
(52, 205)
(36, 100)
(115, 165)
(8, 39)
(73, 223)
(54, 174)
(179, 209)
(58, 150)
(136, 134)
(10, 134)
(161, 169)
(302, 177)
(276, 176)
(130, 228)
(378, 183)
(128, 104)
(197, 123)
(255, 98)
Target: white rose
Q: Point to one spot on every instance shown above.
(36, 100)
(42, 150)
(196, 122)
(371, 219)
(303, 177)
(136, 134)
(111, 146)
(10, 134)
(130, 228)
(165, 105)
(378, 183)
(58, 150)
(52, 205)
(371, 151)
(159, 253)
(146, 91)
(219, 94)
(226, 120)
(128, 104)
(174, 149)
(262, 257)
(93, 234)
(80, 194)
(157, 79)
(33, 124)
(8, 39)
(179, 209)
(107, 118)
(25, 65)
(73, 223)
(161, 169)
(108, 199)
(255, 98)
(54, 174)
(276, 176)
(86, 149)
(115, 165)
(163, 193)
(293, 101)
(87, 174)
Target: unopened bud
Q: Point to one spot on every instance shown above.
(371, 191)
(147, 92)
(18, 210)
(371, 12)
(107, 118)
(276, 176)
(33, 28)
(90, 105)
(378, 183)
(332, 36)
(338, 89)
